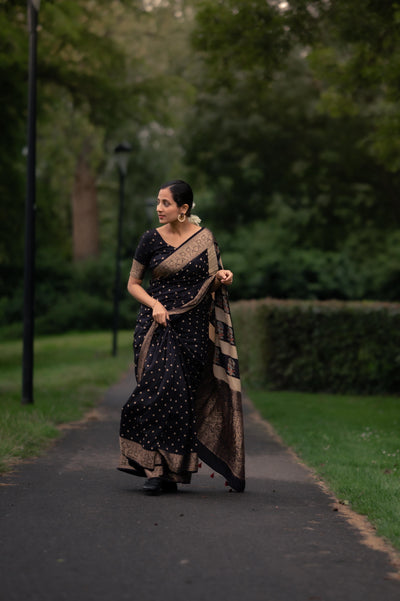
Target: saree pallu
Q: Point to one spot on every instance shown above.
(187, 402)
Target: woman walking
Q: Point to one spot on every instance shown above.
(187, 402)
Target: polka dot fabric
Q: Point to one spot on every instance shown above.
(159, 415)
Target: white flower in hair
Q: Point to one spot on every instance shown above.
(195, 219)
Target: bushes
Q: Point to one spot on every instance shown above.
(70, 298)
(319, 346)
(285, 264)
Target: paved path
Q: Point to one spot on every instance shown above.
(74, 528)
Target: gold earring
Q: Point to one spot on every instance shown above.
(181, 217)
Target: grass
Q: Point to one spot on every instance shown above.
(71, 373)
(352, 442)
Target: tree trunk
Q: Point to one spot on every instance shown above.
(85, 215)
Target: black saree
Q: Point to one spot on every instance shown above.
(187, 403)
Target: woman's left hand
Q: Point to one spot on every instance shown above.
(224, 276)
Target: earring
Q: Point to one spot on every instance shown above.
(181, 217)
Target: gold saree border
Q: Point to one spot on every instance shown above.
(226, 347)
(220, 315)
(233, 383)
(212, 260)
(218, 399)
(179, 467)
(137, 270)
(185, 253)
(149, 336)
(219, 410)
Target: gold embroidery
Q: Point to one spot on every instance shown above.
(220, 374)
(228, 348)
(196, 300)
(212, 260)
(148, 338)
(137, 270)
(184, 254)
(178, 467)
(219, 418)
(220, 424)
(222, 316)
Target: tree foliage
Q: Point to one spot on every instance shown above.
(107, 72)
(102, 73)
(283, 115)
(292, 126)
(356, 54)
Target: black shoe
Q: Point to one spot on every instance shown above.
(153, 486)
(169, 486)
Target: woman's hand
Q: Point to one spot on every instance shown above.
(160, 314)
(224, 276)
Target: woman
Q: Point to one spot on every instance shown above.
(187, 403)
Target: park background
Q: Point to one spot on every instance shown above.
(285, 118)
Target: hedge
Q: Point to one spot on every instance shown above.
(321, 346)
(71, 298)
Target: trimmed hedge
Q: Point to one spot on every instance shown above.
(320, 346)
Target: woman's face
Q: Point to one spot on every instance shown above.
(167, 209)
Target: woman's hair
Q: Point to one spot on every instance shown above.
(181, 193)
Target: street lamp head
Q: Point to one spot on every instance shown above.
(36, 4)
(122, 155)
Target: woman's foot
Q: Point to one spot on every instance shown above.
(169, 486)
(153, 486)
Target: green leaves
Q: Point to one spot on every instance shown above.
(357, 58)
(294, 133)
(238, 37)
(319, 346)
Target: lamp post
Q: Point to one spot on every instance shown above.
(121, 155)
(30, 209)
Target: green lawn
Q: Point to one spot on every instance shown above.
(71, 373)
(352, 442)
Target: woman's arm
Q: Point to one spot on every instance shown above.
(135, 288)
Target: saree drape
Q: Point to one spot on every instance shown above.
(187, 402)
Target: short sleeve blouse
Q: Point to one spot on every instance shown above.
(142, 256)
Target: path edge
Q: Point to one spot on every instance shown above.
(360, 523)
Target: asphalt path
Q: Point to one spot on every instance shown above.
(74, 528)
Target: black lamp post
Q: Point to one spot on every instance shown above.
(30, 208)
(121, 155)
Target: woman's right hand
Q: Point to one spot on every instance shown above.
(160, 314)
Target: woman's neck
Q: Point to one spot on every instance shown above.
(180, 229)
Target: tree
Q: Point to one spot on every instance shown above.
(354, 51)
(260, 138)
(107, 71)
(13, 96)
(98, 80)
(276, 140)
